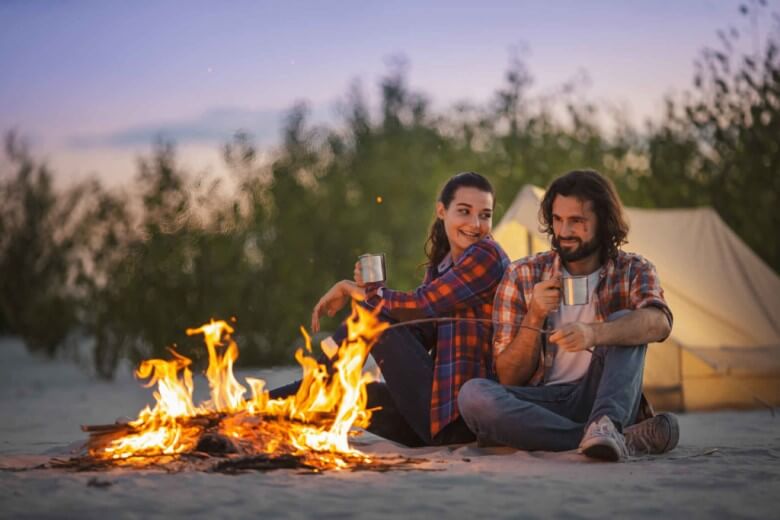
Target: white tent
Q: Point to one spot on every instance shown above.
(724, 350)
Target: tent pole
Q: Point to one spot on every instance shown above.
(680, 376)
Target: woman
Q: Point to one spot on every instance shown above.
(424, 365)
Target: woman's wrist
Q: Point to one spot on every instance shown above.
(352, 289)
(347, 287)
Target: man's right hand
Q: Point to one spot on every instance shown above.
(545, 299)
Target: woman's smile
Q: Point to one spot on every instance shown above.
(474, 235)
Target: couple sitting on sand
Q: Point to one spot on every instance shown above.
(513, 383)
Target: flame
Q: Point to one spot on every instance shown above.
(314, 423)
(227, 395)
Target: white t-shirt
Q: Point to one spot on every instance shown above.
(569, 367)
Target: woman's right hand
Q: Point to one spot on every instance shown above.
(331, 302)
(358, 275)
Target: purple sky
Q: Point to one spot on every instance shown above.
(91, 82)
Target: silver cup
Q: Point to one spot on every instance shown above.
(575, 290)
(372, 267)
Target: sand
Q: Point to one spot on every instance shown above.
(727, 465)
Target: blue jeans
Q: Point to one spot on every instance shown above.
(554, 417)
(405, 396)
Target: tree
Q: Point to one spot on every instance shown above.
(734, 110)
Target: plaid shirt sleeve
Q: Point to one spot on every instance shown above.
(469, 282)
(645, 288)
(509, 307)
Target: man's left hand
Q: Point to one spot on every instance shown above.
(574, 337)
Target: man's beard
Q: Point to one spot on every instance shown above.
(583, 250)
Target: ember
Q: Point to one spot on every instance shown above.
(308, 430)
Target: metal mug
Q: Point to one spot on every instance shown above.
(574, 290)
(372, 267)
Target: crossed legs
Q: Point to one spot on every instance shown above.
(555, 417)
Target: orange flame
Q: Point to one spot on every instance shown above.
(315, 422)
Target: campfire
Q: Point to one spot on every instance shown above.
(232, 431)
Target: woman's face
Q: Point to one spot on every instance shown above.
(468, 218)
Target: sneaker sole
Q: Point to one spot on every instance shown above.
(602, 451)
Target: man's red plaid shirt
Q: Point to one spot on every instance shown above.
(625, 282)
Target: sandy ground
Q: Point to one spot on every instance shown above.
(727, 465)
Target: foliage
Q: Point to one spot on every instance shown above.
(735, 113)
(50, 242)
(37, 245)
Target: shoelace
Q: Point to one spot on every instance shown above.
(638, 440)
(602, 428)
(605, 428)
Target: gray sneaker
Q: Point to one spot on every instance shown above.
(653, 436)
(603, 441)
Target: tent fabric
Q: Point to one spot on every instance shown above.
(713, 278)
(725, 299)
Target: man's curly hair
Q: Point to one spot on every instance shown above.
(589, 185)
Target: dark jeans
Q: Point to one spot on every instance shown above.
(554, 417)
(405, 396)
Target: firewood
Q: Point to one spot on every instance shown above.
(105, 428)
(214, 443)
(262, 462)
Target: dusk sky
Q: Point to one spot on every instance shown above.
(91, 83)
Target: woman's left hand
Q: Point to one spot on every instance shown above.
(331, 302)
(358, 275)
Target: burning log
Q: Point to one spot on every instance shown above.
(106, 428)
(215, 443)
(261, 462)
(207, 431)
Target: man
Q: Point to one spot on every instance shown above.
(579, 386)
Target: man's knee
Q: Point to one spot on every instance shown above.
(476, 399)
(620, 352)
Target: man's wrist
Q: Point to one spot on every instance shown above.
(596, 333)
(535, 319)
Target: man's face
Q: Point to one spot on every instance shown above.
(574, 228)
